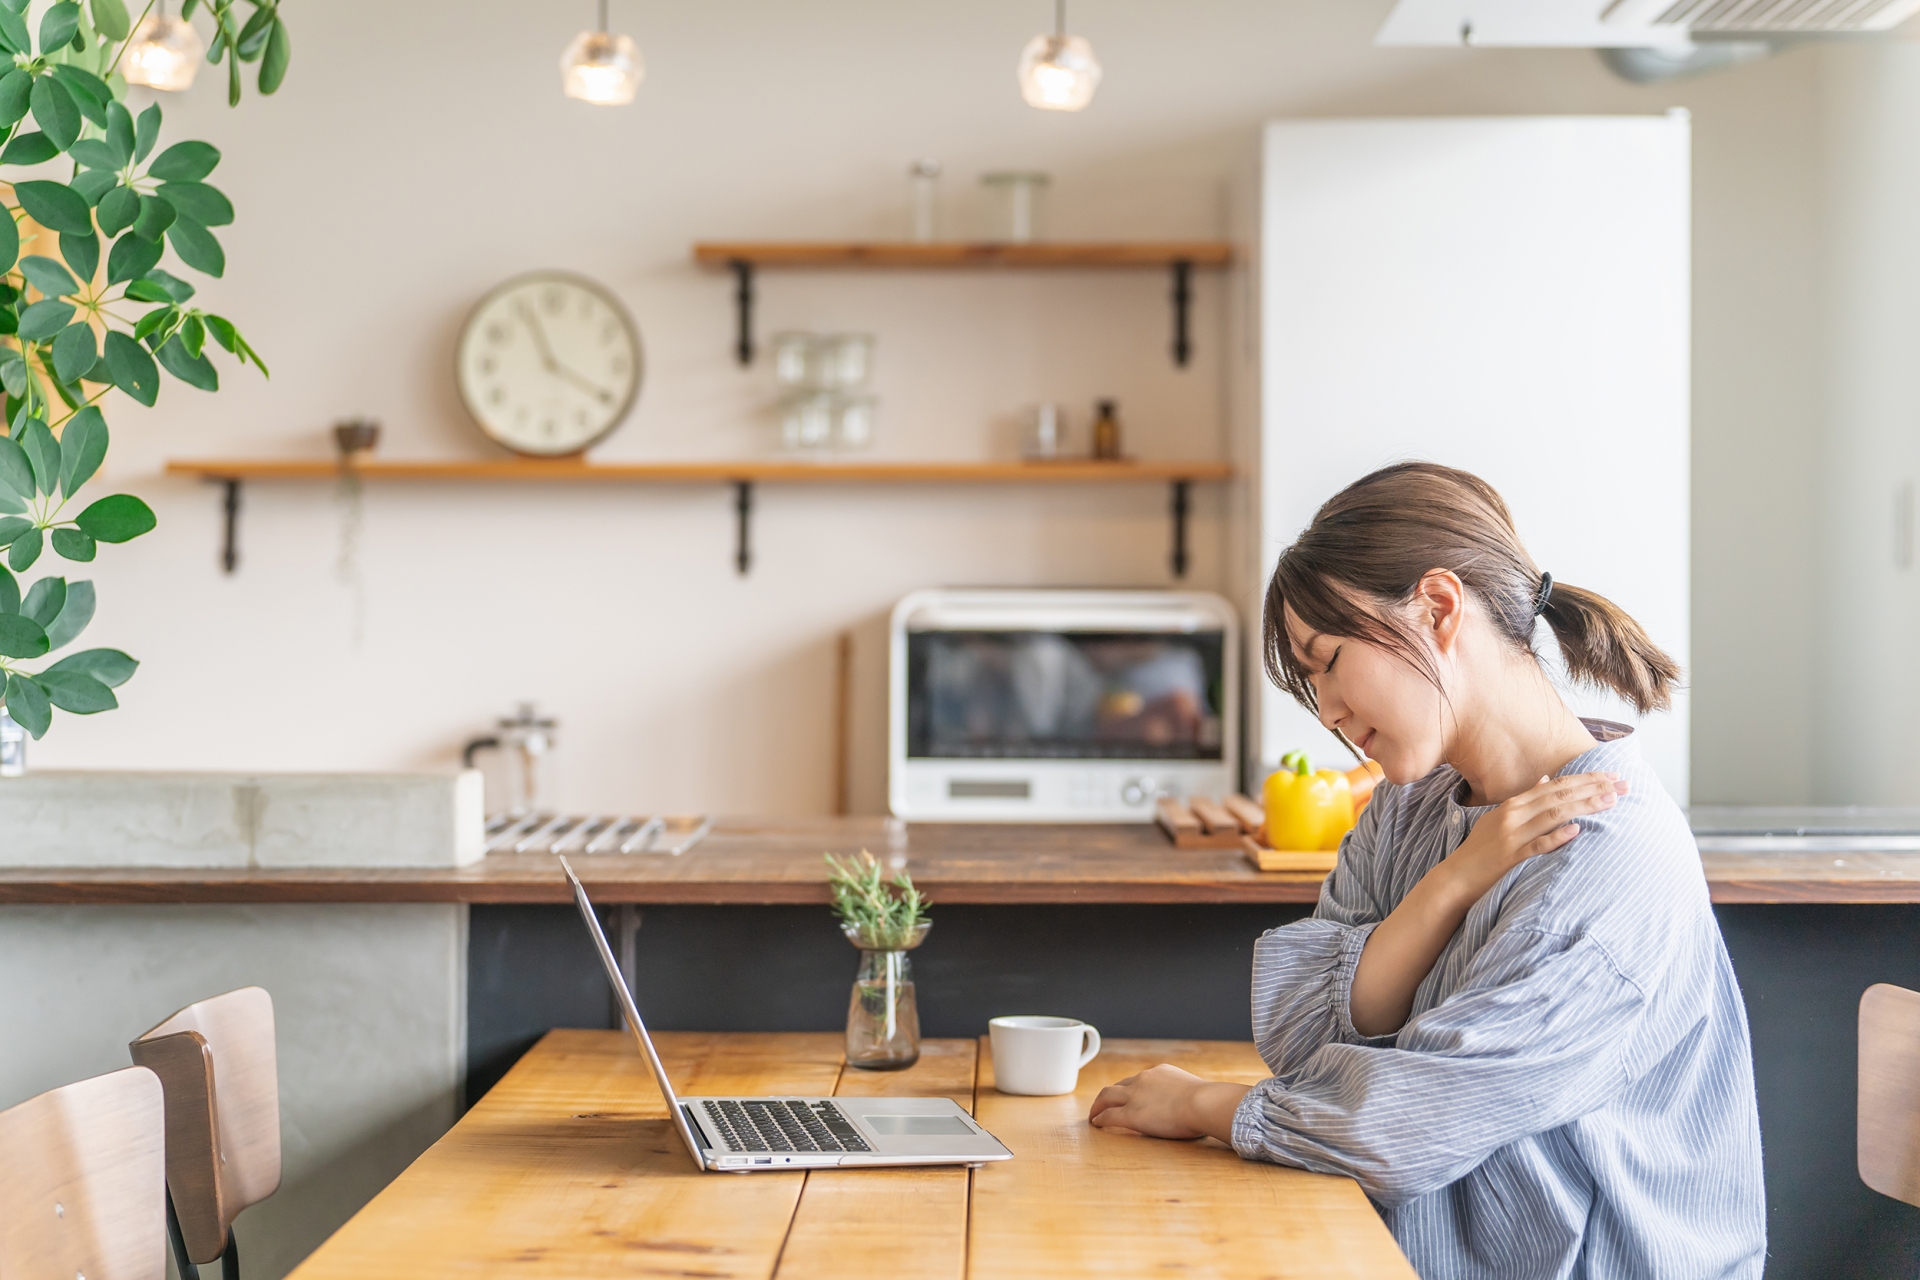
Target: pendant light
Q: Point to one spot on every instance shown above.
(601, 68)
(1058, 72)
(164, 53)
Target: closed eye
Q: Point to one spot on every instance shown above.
(1330, 661)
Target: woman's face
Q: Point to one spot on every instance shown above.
(1385, 707)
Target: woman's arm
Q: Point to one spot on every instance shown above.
(1403, 947)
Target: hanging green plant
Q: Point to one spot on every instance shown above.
(73, 328)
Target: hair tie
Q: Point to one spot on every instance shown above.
(1544, 594)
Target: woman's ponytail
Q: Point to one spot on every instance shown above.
(1603, 645)
(1371, 544)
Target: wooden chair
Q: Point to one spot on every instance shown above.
(83, 1181)
(1889, 1117)
(216, 1062)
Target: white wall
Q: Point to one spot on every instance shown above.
(418, 154)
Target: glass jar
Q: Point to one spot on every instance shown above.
(1015, 201)
(883, 1019)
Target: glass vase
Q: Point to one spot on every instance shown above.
(883, 1018)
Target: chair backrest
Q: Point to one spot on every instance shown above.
(1889, 1118)
(83, 1181)
(216, 1060)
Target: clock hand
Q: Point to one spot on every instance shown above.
(553, 364)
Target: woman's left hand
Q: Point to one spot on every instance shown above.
(1166, 1102)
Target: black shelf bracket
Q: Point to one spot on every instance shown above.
(743, 507)
(1180, 527)
(1182, 306)
(230, 541)
(743, 305)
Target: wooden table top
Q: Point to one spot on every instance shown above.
(766, 861)
(569, 1168)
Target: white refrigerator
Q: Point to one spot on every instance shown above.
(1508, 295)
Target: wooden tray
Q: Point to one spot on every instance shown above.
(1321, 860)
(1205, 824)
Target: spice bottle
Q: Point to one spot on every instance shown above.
(1106, 433)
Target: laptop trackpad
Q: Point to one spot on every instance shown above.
(898, 1126)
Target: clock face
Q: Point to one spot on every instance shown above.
(549, 363)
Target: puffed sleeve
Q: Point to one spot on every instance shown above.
(1536, 1037)
(1303, 972)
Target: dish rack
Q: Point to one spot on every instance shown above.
(667, 834)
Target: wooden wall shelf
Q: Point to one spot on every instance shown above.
(1182, 257)
(742, 474)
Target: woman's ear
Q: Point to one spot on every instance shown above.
(1440, 603)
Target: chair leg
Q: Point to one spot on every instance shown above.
(230, 1257)
(182, 1263)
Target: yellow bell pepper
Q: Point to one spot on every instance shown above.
(1307, 809)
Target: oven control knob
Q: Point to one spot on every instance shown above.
(1137, 791)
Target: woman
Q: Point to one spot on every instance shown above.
(1511, 1017)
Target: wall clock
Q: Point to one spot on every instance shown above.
(549, 363)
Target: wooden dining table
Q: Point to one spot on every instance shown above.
(569, 1168)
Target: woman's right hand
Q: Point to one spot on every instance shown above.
(1538, 820)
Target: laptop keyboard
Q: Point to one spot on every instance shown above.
(782, 1125)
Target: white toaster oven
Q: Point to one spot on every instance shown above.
(1060, 706)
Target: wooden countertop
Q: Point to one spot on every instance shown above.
(569, 1168)
(747, 861)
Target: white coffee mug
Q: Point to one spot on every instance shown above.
(1040, 1056)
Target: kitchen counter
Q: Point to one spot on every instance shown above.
(1751, 856)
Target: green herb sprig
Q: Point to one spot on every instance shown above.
(878, 913)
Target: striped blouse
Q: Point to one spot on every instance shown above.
(1572, 1095)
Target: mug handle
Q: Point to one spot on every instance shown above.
(1091, 1039)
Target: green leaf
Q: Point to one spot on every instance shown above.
(43, 453)
(44, 601)
(83, 447)
(196, 200)
(94, 183)
(48, 276)
(88, 89)
(15, 87)
(193, 335)
(58, 26)
(253, 36)
(119, 518)
(28, 704)
(109, 666)
(119, 128)
(273, 66)
(226, 335)
(197, 247)
(11, 503)
(146, 290)
(184, 162)
(73, 544)
(54, 109)
(13, 372)
(29, 148)
(13, 31)
(94, 153)
(82, 253)
(9, 241)
(74, 615)
(44, 319)
(110, 19)
(132, 369)
(16, 472)
(118, 208)
(12, 527)
(156, 215)
(25, 550)
(65, 392)
(74, 352)
(146, 132)
(177, 289)
(9, 592)
(131, 257)
(197, 371)
(151, 322)
(55, 206)
(76, 692)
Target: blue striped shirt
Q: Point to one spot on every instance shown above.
(1572, 1095)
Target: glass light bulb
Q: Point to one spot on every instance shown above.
(165, 53)
(601, 68)
(1058, 73)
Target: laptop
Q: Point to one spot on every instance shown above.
(753, 1134)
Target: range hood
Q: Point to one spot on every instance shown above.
(1604, 24)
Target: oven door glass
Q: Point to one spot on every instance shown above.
(1064, 695)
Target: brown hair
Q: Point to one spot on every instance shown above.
(1372, 542)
